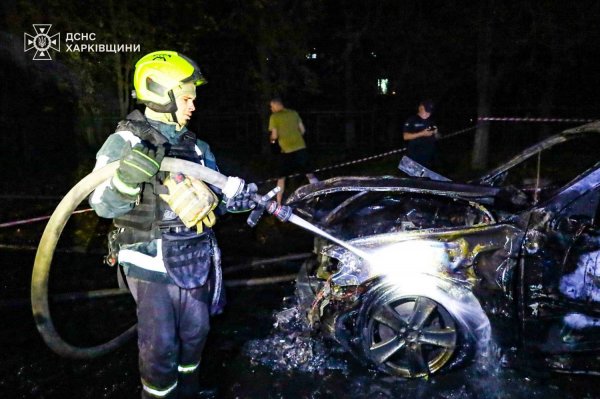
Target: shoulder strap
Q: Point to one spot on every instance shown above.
(189, 138)
(136, 123)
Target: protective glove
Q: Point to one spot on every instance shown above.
(138, 166)
(243, 201)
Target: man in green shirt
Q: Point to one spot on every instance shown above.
(286, 127)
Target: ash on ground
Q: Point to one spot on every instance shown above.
(290, 346)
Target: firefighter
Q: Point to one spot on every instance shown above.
(164, 242)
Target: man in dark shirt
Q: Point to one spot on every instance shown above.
(421, 133)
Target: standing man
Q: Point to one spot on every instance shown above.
(421, 134)
(164, 241)
(286, 126)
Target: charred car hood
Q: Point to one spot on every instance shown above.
(407, 217)
(506, 199)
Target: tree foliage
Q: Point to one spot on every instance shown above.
(489, 57)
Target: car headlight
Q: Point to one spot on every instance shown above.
(351, 269)
(398, 261)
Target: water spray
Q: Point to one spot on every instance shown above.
(284, 213)
(426, 259)
(64, 210)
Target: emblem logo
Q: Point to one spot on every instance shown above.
(42, 42)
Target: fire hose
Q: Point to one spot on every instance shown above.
(47, 245)
(58, 220)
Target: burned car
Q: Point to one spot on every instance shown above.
(435, 269)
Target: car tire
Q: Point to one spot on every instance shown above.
(410, 336)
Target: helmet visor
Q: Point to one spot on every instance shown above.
(196, 76)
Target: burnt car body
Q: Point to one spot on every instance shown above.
(450, 266)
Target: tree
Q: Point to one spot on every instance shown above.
(274, 36)
(485, 83)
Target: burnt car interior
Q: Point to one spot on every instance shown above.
(368, 213)
(562, 283)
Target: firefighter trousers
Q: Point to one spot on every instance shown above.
(173, 323)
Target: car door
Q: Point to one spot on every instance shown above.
(560, 272)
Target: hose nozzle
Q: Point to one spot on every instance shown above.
(281, 212)
(266, 203)
(261, 204)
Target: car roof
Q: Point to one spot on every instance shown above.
(566, 135)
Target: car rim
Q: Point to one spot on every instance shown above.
(411, 336)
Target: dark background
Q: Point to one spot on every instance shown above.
(324, 57)
(487, 58)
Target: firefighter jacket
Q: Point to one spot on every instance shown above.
(154, 245)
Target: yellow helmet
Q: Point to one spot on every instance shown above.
(158, 73)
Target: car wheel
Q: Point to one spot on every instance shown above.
(408, 335)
